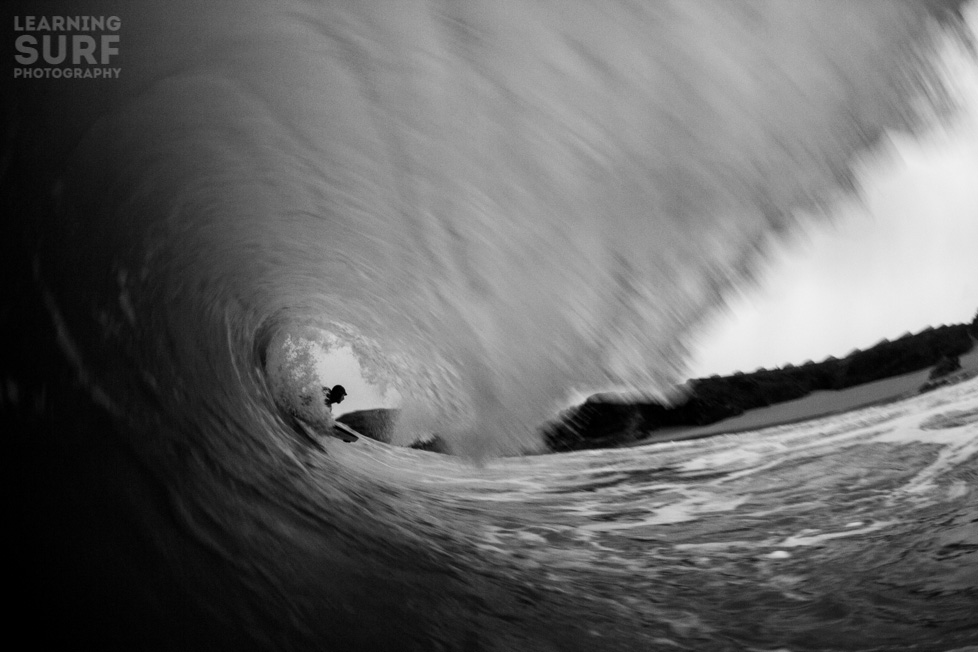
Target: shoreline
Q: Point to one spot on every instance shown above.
(816, 405)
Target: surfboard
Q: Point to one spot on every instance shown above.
(340, 431)
(344, 432)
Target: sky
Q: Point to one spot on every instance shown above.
(903, 257)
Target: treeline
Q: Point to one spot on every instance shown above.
(600, 423)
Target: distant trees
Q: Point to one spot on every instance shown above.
(905, 355)
(601, 423)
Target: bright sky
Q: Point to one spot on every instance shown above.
(905, 259)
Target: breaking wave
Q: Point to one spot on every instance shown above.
(494, 206)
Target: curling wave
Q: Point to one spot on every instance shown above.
(494, 206)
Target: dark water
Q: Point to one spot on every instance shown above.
(494, 208)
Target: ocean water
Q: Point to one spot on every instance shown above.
(494, 208)
(852, 532)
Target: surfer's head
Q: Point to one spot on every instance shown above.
(336, 395)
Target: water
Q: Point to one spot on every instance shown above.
(856, 531)
(493, 210)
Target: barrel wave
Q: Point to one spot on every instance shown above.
(497, 206)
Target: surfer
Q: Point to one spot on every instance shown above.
(335, 395)
(314, 429)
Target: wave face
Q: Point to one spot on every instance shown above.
(494, 206)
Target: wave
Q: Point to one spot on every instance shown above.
(495, 208)
(506, 224)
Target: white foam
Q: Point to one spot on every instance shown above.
(805, 539)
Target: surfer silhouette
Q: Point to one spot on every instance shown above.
(331, 397)
(334, 395)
